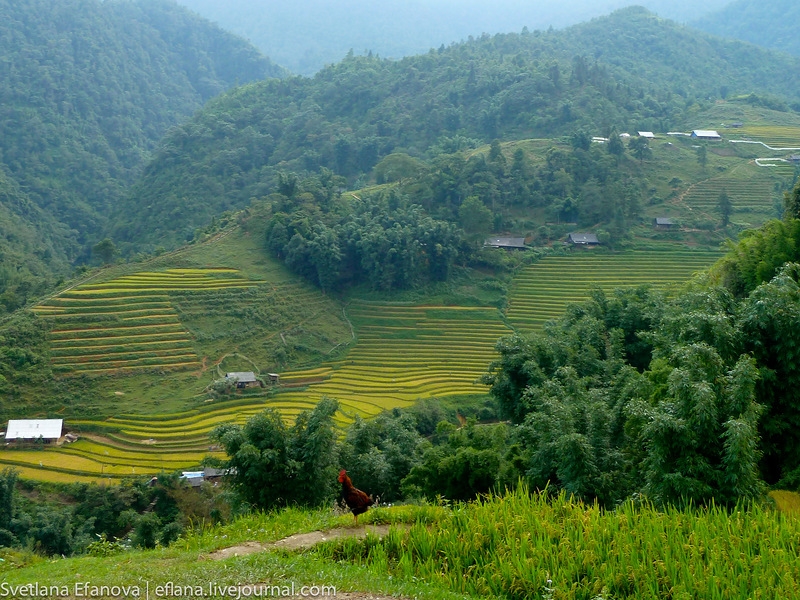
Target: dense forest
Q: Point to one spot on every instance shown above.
(592, 78)
(769, 25)
(87, 88)
(304, 38)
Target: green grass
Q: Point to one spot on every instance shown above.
(516, 546)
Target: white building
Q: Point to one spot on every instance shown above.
(48, 430)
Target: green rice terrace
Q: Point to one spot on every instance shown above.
(128, 323)
(542, 291)
(393, 354)
(749, 190)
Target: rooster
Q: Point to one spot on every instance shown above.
(356, 500)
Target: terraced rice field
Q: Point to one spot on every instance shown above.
(543, 290)
(772, 135)
(745, 188)
(403, 353)
(128, 324)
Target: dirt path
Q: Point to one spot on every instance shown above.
(308, 540)
(300, 541)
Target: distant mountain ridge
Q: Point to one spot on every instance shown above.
(304, 37)
(768, 24)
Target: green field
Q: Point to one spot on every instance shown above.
(543, 290)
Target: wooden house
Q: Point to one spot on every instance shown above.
(243, 379)
(663, 223)
(509, 243)
(583, 239)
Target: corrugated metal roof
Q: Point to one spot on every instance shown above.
(242, 376)
(506, 242)
(664, 221)
(705, 133)
(583, 238)
(646, 134)
(31, 429)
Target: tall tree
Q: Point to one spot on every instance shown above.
(725, 208)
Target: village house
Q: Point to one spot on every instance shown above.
(706, 134)
(511, 243)
(583, 239)
(663, 223)
(243, 379)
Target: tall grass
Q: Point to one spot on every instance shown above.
(526, 545)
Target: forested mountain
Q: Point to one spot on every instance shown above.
(631, 70)
(768, 24)
(33, 247)
(304, 37)
(86, 90)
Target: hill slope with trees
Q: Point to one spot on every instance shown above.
(770, 25)
(628, 71)
(87, 88)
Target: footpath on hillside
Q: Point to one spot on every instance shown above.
(304, 541)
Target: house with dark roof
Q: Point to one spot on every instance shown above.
(663, 223)
(243, 379)
(583, 239)
(510, 243)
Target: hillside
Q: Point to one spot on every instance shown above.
(769, 25)
(516, 86)
(87, 88)
(321, 32)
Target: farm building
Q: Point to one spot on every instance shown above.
(513, 243)
(29, 430)
(196, 478)
(706, 134)
(583, 239)
(647, 134)
(795, 158)
(663, 223)
(243, 379)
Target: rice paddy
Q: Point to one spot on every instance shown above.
(776, 136)
(543, 290)
(752, 191)
(128, 324)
